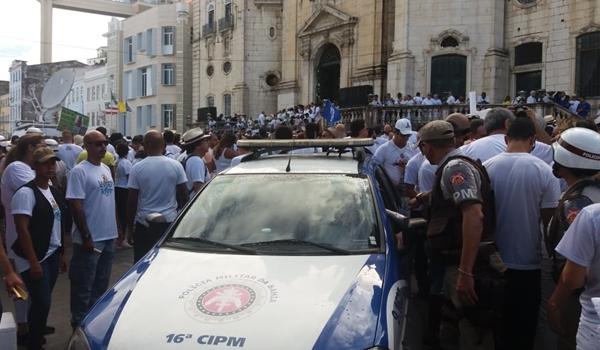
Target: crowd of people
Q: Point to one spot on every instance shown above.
(508, 199)
(507, 206)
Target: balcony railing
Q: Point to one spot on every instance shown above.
(226, 23)
(421, 115)
(208, 29)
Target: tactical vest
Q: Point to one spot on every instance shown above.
(445, 219)
(560, 223)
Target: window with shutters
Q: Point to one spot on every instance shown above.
(129, 55)
(144, 82)
(168, 115)
(168, 74)
(227, 105)
(168, 40)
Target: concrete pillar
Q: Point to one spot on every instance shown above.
(46, 31)
(401, 64)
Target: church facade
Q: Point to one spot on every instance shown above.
(250, 56)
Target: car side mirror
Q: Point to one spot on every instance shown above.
(400, 220)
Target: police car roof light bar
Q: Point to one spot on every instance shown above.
(304, 143)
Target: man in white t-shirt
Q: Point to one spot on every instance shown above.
(172, 151)
(395, 154)
(581, 247)
(91, 195)
(261, 119)
(496, 124)
(68, 151)
(149, 194)
(37, 210)
(526, 193)
(196, 144)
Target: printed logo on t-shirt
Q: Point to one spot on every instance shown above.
(56, 209)
(106, 186)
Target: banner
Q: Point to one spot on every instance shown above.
(73, 121)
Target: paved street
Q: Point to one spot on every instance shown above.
(60, 312)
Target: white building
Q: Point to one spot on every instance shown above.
(76, 99)
(237, 55)
(153, 69)
(98, 98)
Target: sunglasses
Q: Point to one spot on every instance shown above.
(99, 143)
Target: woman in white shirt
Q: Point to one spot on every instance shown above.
(224, 152)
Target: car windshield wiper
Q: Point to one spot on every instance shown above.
(207, 241)
(301, 242)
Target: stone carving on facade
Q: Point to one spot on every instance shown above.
(530, 39)
(593, 27)
(326, 25)
(462, 39)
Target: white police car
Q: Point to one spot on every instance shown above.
(286, 251)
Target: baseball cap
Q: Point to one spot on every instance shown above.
(436, 130)
(43, 154)
(403, 126)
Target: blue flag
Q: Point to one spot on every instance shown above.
(331, 113)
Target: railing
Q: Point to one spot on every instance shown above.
(421, 115)
(209, 28)
(225, 23)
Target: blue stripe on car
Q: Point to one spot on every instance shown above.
(100, 322)
(353, 323)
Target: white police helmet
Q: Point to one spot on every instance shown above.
(578, 148)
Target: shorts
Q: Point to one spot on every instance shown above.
(588, 336)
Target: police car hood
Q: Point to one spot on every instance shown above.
(200, 300)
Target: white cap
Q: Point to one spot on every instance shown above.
(403, 126)
(34, 130)
(52, 144)
(597, 121)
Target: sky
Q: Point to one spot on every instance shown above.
(76, 35)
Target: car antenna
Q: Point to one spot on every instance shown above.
(288, 168)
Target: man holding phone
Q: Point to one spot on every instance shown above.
(90, 191)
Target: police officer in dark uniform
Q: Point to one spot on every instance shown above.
(577, 161)
(459, 201)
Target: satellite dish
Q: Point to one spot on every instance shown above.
(57, 88)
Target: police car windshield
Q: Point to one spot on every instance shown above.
(335, 211)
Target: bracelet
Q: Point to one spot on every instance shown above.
(465, 273)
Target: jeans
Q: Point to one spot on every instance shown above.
(144, 238)
(89, 274)
(521, 309)
(40, 294)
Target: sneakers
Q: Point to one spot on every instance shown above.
(124, 245)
